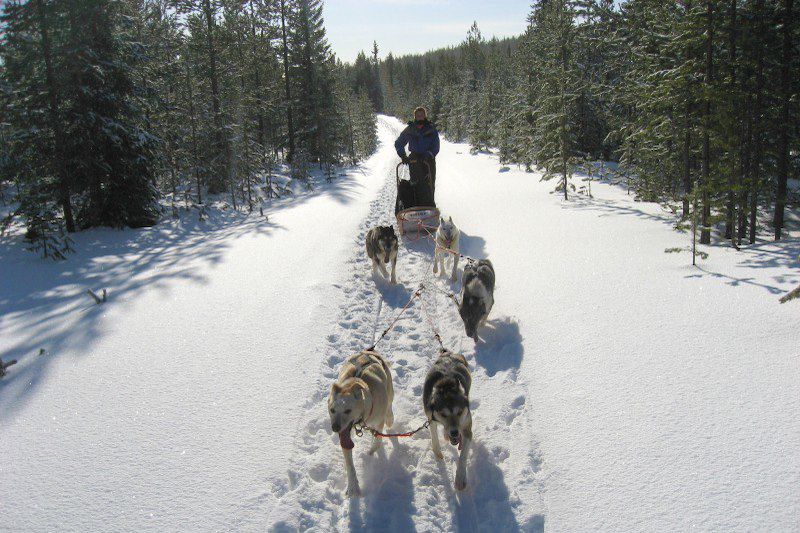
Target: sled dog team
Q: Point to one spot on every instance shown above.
(363, 392)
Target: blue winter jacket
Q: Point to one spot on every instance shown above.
(420, 140)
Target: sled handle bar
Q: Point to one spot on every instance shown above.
(400, 164)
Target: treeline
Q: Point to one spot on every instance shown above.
(109, 104)
(694, 99)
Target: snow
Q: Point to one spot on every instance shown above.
(616, 387)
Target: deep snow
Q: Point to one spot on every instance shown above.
(617, 387)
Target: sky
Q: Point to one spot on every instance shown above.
(413, 26)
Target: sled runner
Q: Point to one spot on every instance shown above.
(415, 207)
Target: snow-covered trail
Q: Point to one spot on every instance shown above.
(617, 387)
(404, 486)
(169, 407)
(663, 396)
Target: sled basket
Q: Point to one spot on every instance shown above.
(418, 221)
(413, 217)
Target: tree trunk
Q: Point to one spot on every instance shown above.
(261, 138)
(694, 225)
(746, 172)
(687, 163)
(58, 133)
(216, 183)
(289, 120)
(783, 136)
(564, 156)
(194, 130)
(730, 219)
(758, 124)
(705, 231)
(687, 142)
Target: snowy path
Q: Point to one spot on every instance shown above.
(169, 407)
(405, 487)
(618, 388)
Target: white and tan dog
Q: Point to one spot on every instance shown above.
(446, 245)
(362, 394)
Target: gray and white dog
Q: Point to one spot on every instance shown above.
(445, 398)
(477, 295)
(382, 245)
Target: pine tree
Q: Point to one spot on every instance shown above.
(557, 87)
(109, 152)
(312, 75)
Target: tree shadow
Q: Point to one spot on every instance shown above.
(500, 346)
(770, 254)
(124, 262)
(764, 254)
(608, 207)
(340, 189)
(735, 282)
(49, 300)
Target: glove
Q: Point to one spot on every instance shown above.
(404, 159)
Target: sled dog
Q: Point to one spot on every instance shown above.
(446, 241)
(363, 393)
(381, 245)
(477, 295)
(445, 398)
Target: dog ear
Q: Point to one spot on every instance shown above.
(450, 218)
(336, 388)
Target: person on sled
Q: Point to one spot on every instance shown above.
(423, 142)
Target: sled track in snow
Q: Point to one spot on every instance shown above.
(405, 488)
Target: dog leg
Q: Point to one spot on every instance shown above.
(461, 469)
(437, 449)
(383, 269)
(455, 266)
(353, 490)
(376, 441)
(394, 266)
(436, 254)
(389, 417)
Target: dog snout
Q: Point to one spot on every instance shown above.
(454, 433)
(336, 426)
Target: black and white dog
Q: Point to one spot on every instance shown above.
(477, 295)
(382, 248)
(445, 398)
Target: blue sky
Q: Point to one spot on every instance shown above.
(410, 26)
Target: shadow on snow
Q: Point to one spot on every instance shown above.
(500, 346)
(35, 293)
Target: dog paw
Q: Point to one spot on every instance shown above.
(461, 483)
(438, 454)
